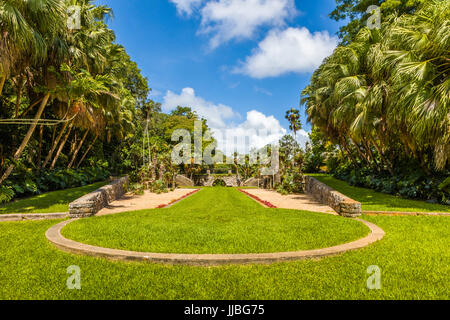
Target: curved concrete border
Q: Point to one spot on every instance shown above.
(32, 216)
(54, 236)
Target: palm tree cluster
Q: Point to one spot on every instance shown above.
(384, 98)
(80, 85)
(358, 12)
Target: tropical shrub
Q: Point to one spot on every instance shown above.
(24, 182)
(136, 188)
(219, 183)
(413, 184)
(6, 194)
(158, 187)
(292, 183)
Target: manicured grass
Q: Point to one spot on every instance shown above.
(51, 202)
(413, 258)
(377, 201)
(216, 220)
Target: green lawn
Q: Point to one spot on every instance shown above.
(216, 220)
(51, 202)
(377, 201)
(413, 257)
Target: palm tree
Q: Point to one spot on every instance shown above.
(385, 95)
(30, 32)
(293, 116)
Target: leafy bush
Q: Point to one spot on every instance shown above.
(412, 184)
(24, 182)
(6, 194)
(219, 183)
(292, 183)
(158, 187)
(136, 188)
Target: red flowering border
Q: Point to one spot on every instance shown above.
(266, 203)
(161, 206)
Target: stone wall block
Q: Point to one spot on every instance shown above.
(90, 204)
(342, 204)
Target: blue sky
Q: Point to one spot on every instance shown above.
(227, 57)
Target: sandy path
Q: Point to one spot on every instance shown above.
(295, 201)
(146, 201)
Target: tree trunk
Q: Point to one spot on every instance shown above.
(23, 114)
(19, 94)
(58, 153)
(27, 138)
(73, 144)
(154, 163)
(388, 164)
(74, 157)
(55, 144)
(39, 156)
(344, 147)
(371, 155)
(2, 83)
(87, 151)
(362, 155)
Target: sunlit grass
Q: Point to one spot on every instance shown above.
(413, 258)
(377, 201)
(51, 202)
(216, 220)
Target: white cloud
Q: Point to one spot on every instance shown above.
(240, 19)
(216, 114)
(256, 131)
(302, 138)
(186, 6)
(291, 50)
(263, 91)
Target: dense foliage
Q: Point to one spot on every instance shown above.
(66, 95)
(357, 11)
(384, 100)
(291, 165)
(24, 182)
(70, 97)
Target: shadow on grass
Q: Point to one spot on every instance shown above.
(377, 201)
(51, 202)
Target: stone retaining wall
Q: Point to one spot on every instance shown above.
(93, 202)
(324, 194)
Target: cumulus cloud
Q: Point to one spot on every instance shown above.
(186, 6)
(285, 51)
(232, 134)
(226, 20)
(257, 131)
(216, 114)
(303, 138)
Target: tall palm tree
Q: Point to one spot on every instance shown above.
(31, 30)
(293, 116)
(385, 95)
